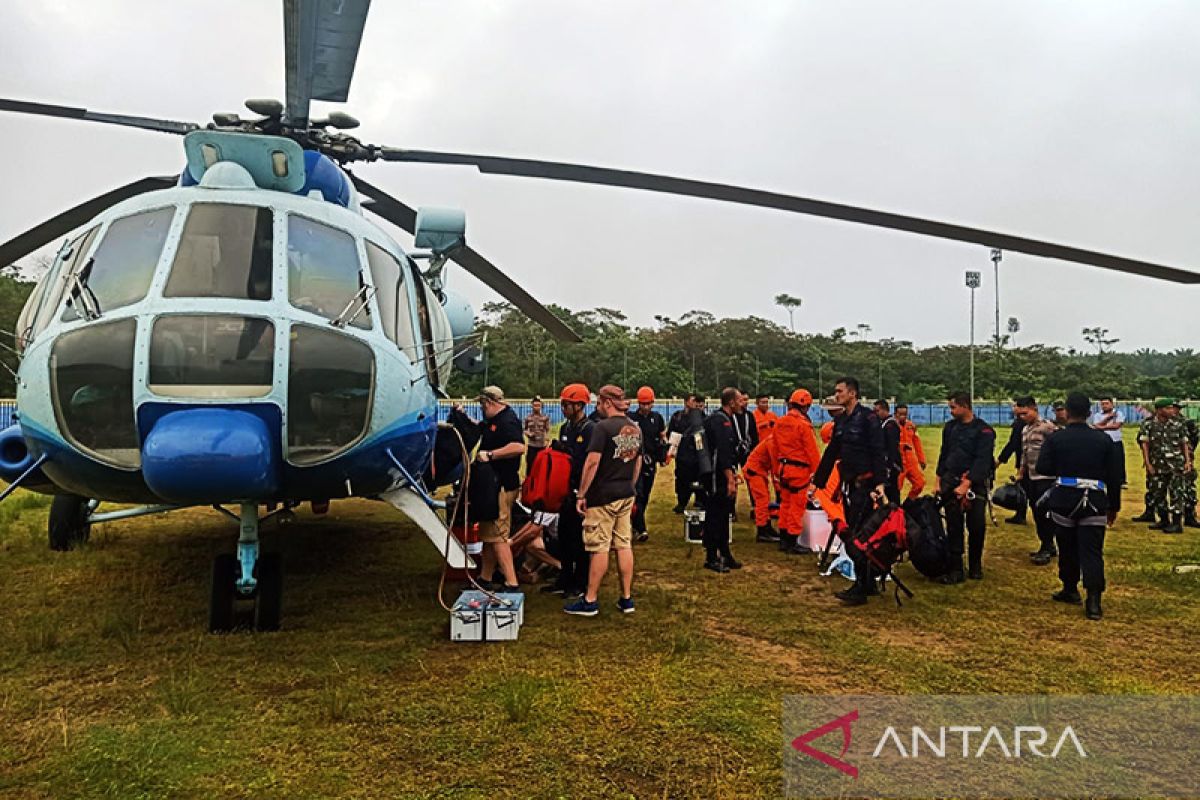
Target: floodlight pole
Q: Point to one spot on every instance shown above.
(996, 256)
(972, 284)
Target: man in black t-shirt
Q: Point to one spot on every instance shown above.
(573, 439)
(606, 494)
(501, 444)
(964, 468)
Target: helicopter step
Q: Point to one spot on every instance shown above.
(416, 506)
(249, 575)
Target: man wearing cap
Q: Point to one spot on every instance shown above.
(573, 439)
(796, 447)
(1167, 456)
(654, 440)
(1060, 413)
(856, 447)
(501, 444)
(606, 496)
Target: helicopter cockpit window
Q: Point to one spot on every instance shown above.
(92, 390)
(324, 275)
(211, 356)
(329, 393)
(388, 278)
(119, 272)
(56, 280)
(225, 251)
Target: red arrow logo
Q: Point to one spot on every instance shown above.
(843, 722)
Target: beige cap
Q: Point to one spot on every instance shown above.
(493, 393)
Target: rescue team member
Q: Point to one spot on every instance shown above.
(501, 444)
(537, 427)
(856, 446)
(1012, 448)
(912, 455)
(759, 472)
(654, 443)
(606, 494)
(722, 492)
(685, 425)
(574, 437)
(764, 417)
(891, 446)
(796, 446)
(1085, 497)
(963, 469)
(1033, 437)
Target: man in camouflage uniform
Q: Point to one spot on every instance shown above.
(1189, 478)
(1147, 514)
(1167, 455)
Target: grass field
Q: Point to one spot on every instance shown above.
(110, 688)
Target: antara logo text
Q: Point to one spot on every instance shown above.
(946, 741)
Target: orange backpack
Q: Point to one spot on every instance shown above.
(548, 482)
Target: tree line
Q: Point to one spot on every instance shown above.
(701, 352)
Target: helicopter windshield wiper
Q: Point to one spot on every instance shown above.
(357, 303)
(88, 305)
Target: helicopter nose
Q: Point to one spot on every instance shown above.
(209, 455)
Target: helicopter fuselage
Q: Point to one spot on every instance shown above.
(225, 343)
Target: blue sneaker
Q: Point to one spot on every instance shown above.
(582, 608)
(626, 605)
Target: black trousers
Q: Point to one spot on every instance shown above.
(974, 519)
(717, 507)
(575, 560)
(1041, 517)
(685, 476)
(531, 453)
(1081, 551)
(642, 496)
(857, 503)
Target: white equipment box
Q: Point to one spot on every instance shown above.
(477, 617)
(693, 527)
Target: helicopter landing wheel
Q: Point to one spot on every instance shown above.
(223, 593)
(268, 599)
(68, 521)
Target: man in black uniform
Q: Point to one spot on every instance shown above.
(688, 422)
(654, 436)
(573, 438)
(1013, 448)
(857, 448)
(1085, 497)
(963, 469)
(722, 492)
(891, 448)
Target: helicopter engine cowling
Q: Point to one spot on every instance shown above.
(460, 314)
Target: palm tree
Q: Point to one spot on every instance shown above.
(790, 304)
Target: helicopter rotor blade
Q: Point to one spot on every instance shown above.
(405, 217)
(72, 218)
(321, 39)
(68, 112)
(530, 168)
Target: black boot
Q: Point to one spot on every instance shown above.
(955, 575)
(786, 540)
(1190, 520)
(1163, 522)
(1175, 525)
(1067, 595)
(714, 562)
(854, 596)
(1145, 516)
(1016, 519)
(1091, 606)
(766, 534)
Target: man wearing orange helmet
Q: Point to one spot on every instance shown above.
(573, 438)
(796, 446)
(654, 441)
(912, 454)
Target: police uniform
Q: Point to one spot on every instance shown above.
(1087, 490)
(652, 425)
(856, 447)
(573, 438)
(967, 449)
(718, 505)
(1033, 438)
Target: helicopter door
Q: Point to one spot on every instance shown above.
(424, 319)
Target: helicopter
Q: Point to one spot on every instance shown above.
(243, 334)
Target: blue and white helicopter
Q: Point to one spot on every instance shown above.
(241, 334)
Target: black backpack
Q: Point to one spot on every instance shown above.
(1010, 496)
(928, 549)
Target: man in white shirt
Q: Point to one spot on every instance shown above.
(1108, 419)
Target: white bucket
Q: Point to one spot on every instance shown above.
(817, 530)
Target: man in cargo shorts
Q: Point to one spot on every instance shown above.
(501, 444)
(606, 497)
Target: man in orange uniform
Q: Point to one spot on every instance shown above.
(759, 471)
(764, 417)
(912, 454)
(796, 445)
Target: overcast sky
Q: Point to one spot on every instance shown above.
(1075, 122)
